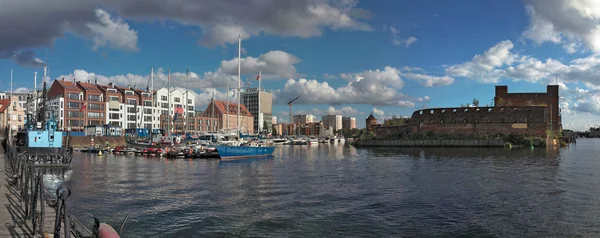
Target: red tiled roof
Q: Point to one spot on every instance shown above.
(89, 87)
(4, 104)
(68, 85)
(222, 106)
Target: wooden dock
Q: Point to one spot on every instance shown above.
(12, 212)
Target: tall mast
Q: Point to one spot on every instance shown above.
(152, 102)
(187, 78)
(169, 101)
(9, 114)
(34, 96)
(260, 119)
(212, 115)
(227, 110)
(239, 80)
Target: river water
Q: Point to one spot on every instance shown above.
(341, 191)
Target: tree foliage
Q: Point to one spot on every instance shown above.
(394, 121)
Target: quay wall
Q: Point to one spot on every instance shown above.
(86, 141)
(430, 143)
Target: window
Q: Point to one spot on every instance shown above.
(95, 98)
(164, 105)
(131, 118)
(95, 115)
(73, 96)
(190, 108)
(95, 106)
(113, 98)
(147, 111)
(129, 93)
(131, 101)
(431, 121)
(73, 105)
(442, 121)
(163, 98)
(420, 113)
(514, 110)
(431, 112)
(199, 121)
(114, 116)
(74, 114)
(147, 118)
(111, 90)
(501, 109)
(177, 99)
(490, 109)
(466, 110)
(148, 103)
(146, 94)
(131, 109)
(20, 118)
(443, 110)
(189, 101)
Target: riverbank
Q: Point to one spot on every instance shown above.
(86, 141)
(429, 143)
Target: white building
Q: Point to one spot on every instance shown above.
(176, 98)
(332, 121)
(253, 99)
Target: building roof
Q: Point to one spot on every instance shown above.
(89, 88)
(68, 85)
(222, 106)
(371, 117)
(4, 104)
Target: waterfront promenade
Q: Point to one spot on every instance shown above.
(12, 213)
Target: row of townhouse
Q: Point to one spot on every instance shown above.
(130, 108)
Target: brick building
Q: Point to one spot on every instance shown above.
(529, 114)
(226, 116)
(549, 99)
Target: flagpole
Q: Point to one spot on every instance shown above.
(152, 101)
(9, 114)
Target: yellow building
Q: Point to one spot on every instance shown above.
(12, 114)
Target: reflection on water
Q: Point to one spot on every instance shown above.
(331, 190)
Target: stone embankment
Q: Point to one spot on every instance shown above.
(86, 141)
(430, 143)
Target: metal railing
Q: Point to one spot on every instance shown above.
(27, 172)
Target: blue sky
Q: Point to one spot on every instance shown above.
(350, 57)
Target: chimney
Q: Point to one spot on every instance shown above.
(110, 84)
(96, 81)
(88, 81)
(63, 79)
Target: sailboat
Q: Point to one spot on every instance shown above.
(234, 152)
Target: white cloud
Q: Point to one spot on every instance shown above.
(112, 32)
(274, 64)
(375, 87)
(378, 112)
(483, 68)
(430, 81)
(22, 90)
(396, 40)
(411, 69)
(564, 22)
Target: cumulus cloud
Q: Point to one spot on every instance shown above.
(375, 87)
(30, 23)
(430, 81)
(564, 22)
(484, 68)
(378, 112)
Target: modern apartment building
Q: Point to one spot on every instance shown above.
(348, 122)
(176, 98)
(301, 119)
(253, 99)
(332, 121)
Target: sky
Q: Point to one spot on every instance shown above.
(350, 57)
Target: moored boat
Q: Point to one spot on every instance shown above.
(243, 152)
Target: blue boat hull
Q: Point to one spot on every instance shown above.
(242, 152)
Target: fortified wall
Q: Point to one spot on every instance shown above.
(524, 120)
(549, 99)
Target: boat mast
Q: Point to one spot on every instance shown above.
(239, 80)
(227, 110)
(212, 116)
(259, 117)
(187, 77)
(169, 101)
(152, 101)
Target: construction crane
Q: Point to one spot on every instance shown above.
(291, 122)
